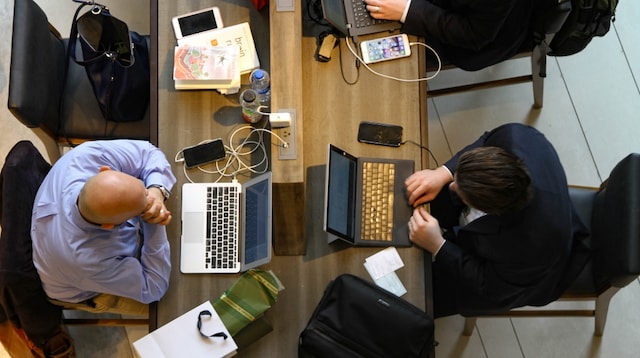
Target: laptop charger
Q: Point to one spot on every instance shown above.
(280, 119)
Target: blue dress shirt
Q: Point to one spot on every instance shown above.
(77, 260)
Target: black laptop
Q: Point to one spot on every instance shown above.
(352, 18)
(365, 200)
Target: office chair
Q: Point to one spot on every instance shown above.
(36, 80)
(547, 20)
(23, 301)
(612, 214)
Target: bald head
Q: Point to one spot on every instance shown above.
(112, 197)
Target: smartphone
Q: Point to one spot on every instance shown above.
(385, 48)
(204, 153)
(380, 133)
(196, 22)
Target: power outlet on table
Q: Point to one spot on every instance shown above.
(288, 134)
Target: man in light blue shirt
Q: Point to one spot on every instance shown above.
(98, 227)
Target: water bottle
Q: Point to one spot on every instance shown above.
(261, 83)
(250, 106)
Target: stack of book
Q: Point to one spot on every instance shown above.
(206, 67)
(237, 36)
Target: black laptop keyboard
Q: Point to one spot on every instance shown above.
(222, 221)
(363, 19)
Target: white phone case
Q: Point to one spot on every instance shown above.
(196, 22)
(385, 48)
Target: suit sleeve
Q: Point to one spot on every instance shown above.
(473, 272)
(473, 29)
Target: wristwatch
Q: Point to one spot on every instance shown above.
(163, 190)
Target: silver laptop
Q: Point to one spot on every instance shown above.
(226, 227)
(365, 200)
(352, 19)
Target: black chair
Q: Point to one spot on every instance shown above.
(612, 214)
(36, 80)
(23, 301)
(547, 21)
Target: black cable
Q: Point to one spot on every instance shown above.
(342, 65)
(424, 148)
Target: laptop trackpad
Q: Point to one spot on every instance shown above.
(193, 227)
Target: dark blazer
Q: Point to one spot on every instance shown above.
(471, 34)
(521, 258)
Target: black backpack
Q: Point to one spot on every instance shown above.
(588, 18)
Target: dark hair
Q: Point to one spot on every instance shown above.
(493, 180)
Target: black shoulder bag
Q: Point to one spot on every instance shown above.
(357, 319)
(116, 61)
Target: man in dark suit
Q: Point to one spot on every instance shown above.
(471, 34)
(503, 228)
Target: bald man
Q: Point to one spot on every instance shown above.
(98, 227)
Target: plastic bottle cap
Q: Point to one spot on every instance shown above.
(249, 96)
(258, 74)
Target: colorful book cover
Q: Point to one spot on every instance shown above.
(239, 35)
(205, 66)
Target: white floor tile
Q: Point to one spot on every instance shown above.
(451, 342)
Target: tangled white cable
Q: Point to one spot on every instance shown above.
(239, 157)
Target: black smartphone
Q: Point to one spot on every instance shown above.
(204, 153)
(380, 133)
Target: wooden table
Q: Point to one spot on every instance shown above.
(328, 110)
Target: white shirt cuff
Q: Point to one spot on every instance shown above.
(406, 11)
(450, 174)
(433, 256)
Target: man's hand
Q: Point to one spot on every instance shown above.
(386, 9)
(424, 230)
(156, 212)
(423, 186)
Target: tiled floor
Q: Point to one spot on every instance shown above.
(592, 115)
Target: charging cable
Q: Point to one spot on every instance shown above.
(249, 154)
(396, 78)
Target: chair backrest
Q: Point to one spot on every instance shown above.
(615, 225)
(22, 298)
(548, 18)
(37, 68)
(37, 87)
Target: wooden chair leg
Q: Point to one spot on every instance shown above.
(538, 73)
(469, 325)
(602, 309)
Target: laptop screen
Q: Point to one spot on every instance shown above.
(257, 222)
(341, 193)
(333, 11)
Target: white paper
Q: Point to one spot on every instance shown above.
(181, 338)
(384, 262)
(390, 282)
(382, 268)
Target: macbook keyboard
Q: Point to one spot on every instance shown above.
(222, 221)
(378, 197)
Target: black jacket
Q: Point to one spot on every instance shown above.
(471, 34)
(521, 258)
